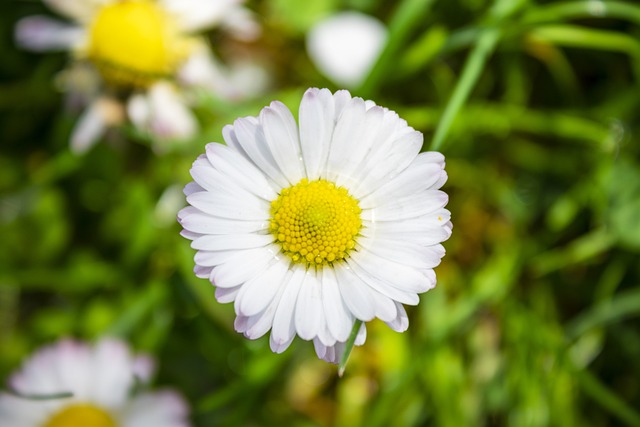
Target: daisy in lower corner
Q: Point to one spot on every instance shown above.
(310, 228)
(72, 384)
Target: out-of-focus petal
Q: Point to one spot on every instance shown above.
(196, 15)
(163, 113)
(78, 10)
(40, 33)
(202, 70)
(345, 46)
(101, 114)
(242, 24)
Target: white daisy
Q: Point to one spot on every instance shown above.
(100, 379)
(346, 45)
(309, 228)
(142, 48)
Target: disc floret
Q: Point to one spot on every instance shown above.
(316, 222)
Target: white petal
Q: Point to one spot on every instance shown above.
(199, 222)
(251, 138)
(384, 167)
(410, 231)
(401, 276)
(249, 208)
(396, 209)
(384, 287)
(345, 46)
(308, 316)
(284, 328)
(233, 164)
(403, 252)
(340, 99)
(362, 334)
(385, 308)
(401, 322)
(207, 259)
(368, 136)
(280, 346)
(281, 134)
(421, 174)
(40, 33)
(324, 335)
(355, 293)
(202, 272)
(231, 241)
(237, 270)
(337, 315)
(317, 121)
(259, 291)
(191, 187)
(346, 138)
(227, 295)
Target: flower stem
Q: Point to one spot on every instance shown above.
(349, 346)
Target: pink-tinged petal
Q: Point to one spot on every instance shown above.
(40, 33)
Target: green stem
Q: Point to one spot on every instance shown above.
(583, 9)
(601, 394)
(621, 306)
(470, 74)
(349, 346)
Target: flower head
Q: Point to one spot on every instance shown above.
(70, 384)
(135, 46)
(308, 228)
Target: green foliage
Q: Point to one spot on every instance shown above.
(534, 321)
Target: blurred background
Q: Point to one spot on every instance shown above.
(534, 321)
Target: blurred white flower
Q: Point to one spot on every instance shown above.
(100, 380)
(345, 46)
(143, 48)
(309, 228)
(162, 111)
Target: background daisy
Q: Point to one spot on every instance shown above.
(71, 384)
(145, 53)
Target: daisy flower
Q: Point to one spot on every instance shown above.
(346, 45)
(70, 384)
(144, 52)
(308, 229)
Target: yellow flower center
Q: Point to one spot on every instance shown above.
(134, 42)
(315, 222)
(81, 415)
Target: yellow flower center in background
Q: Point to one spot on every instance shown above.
(315, 222)
(81, 415)
(134, 43)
